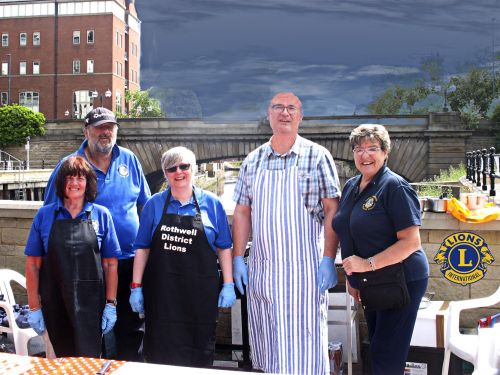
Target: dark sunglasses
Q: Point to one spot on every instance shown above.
(182, 167)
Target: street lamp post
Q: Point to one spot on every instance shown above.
(27, 147)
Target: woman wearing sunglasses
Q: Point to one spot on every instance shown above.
(183, 232)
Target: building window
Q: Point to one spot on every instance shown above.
(4, 98)
(90, 66)
(117, 68)
(22, 67)
(36, 38)
(5, 39)
(23, 37)
(121, 41)
(76, 66)
(90, 36)
(82, 103)
(76, 37)
(118, 102)
(121, 70)
(36, 67)
(5, 68)
(30, 99)
(117, 38)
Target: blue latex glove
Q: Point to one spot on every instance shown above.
(108, 318)
(35, 319)
(240, 273)
(327, 274)
(227, 296)
(137, 300)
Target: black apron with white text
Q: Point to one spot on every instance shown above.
(72, 288)
(181, 286)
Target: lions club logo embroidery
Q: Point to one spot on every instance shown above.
(123, 170)
(463, 258)
(369, 203)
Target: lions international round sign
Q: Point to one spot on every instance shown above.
(463, 257)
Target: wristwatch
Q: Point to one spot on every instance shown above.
(113, 302)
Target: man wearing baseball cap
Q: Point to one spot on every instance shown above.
(121, 187)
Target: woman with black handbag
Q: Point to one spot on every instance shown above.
(377, 223)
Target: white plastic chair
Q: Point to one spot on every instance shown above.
(483, 349)
(20, 336)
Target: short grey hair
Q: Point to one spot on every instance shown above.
(176, 155)
(373, 132)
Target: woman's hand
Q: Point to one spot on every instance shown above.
(353, 292)
(355, 264)
(227, 296)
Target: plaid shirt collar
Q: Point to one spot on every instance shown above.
(295, 148)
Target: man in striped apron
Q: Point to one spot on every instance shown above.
(286, 196)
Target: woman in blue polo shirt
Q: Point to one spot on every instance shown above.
(71, 265)
(379, 215)
(182, 233)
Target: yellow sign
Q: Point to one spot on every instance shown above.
(463, 257)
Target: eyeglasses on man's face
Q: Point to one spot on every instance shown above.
(182, 167)
(280, 108)
(370, 150)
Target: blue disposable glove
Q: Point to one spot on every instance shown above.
(240, 273)
(327, 274)
(35, 319)
(137, 300)
(227, 296)
(108, 318)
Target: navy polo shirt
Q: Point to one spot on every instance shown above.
(387, 205)
(121, 190)
(38, 239)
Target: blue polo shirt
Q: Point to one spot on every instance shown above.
(121, 190)
(38, 239)
(387, 205)
(212, 214)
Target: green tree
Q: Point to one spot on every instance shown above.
(476, 85)
(432, 68)
(18, 122)
(398, 100)
(142, 105)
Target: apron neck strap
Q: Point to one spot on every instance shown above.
(169, 196)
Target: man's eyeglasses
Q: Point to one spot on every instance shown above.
(280, 108)
(182, 167)
(370, 150)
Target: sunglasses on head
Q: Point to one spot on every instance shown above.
(182, 167)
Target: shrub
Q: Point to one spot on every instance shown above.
(18, 122)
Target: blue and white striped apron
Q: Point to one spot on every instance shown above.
(287, 316)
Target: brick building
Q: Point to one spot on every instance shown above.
(64, 57)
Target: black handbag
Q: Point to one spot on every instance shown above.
(381, 289)
(384, 288)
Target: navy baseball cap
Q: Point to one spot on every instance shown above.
(100, 116)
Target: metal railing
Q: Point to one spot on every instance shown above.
(481, 165)
(11, 163)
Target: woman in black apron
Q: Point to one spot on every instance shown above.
(71, 265)
(183, 232)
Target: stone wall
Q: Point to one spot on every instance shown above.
(16, 218)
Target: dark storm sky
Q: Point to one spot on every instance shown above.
(233, 55)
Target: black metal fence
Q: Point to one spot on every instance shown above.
(482, 165)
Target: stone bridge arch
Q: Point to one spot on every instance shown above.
(421, 145)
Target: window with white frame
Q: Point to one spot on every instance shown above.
(117, 38)
(36, 67)
(82, 103)
(5, 39)
(30, 99)
(90, 36)
(23, 37)
(76, 37)
(118, 102)
(90, 66)
(22, 67)
(76, 66)
(5, 68)
(4, 98)
(36, 38)
(117, 67)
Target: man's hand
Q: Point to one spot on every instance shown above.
(240, 273)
